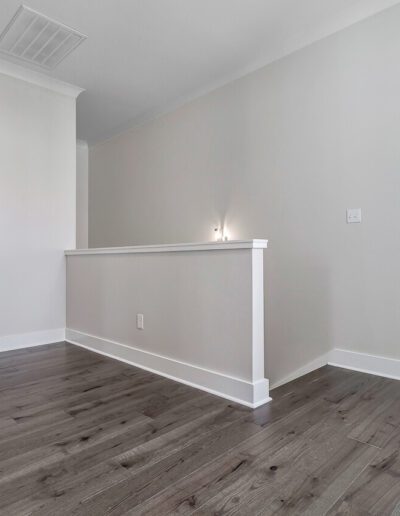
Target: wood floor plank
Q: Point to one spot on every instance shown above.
(140, 457)
(308, 490)
(383, 418)
(126, 495)
(377, 490)
(206, 482)
(81, 434)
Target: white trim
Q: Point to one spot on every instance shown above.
(39, 79)
(307, 368)
(234, 389)
(82, 143)
(167, 248)
(353, 360)
(365, 363)
(257, 313)
(28, 340)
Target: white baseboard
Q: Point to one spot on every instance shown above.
(234, 389)
(353, 360)
(307, 368)
(365, 363)
(28, 340)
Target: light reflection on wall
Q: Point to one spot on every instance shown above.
(221, 233)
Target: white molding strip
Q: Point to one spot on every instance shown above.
(39, 79)
(234, 389)
(82, 143)
(28, 340)
(168, 248)
(365, 363)
(353, 360)
(307, 368)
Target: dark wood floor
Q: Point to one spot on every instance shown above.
(83, 434)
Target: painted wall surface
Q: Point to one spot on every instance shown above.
(197, 305)
(82, 194)
(37, 205)
(281, 154)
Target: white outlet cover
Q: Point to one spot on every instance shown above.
(353, 215)
(139, 321)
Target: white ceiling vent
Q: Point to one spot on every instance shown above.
(35, 38)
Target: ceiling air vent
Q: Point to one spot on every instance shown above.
(37, 39)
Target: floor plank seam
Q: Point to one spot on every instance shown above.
(349, 486)
(366, 444)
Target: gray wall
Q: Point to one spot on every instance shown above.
(281, 154)
(196, 305)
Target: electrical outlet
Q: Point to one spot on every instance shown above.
(139, 321)
(353, 215)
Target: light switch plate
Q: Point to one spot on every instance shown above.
(353, 215)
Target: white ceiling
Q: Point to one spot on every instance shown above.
(145, 57)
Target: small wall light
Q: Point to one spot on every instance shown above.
(221, 234)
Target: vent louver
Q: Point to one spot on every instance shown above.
(35, 38)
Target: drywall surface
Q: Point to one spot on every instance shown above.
(186, 298)
(82, 194)
(37, 210)
(281, 154)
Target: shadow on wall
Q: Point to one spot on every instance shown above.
(298, 301)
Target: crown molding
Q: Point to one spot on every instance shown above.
(39, 79)
(82, 143)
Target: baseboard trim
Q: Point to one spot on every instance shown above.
(365, 363)
(353, 360)
(28, 340)
(307, 368)
(237, 390)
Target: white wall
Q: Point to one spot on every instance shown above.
(281, 154)
(82, 194)
(37, 210)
